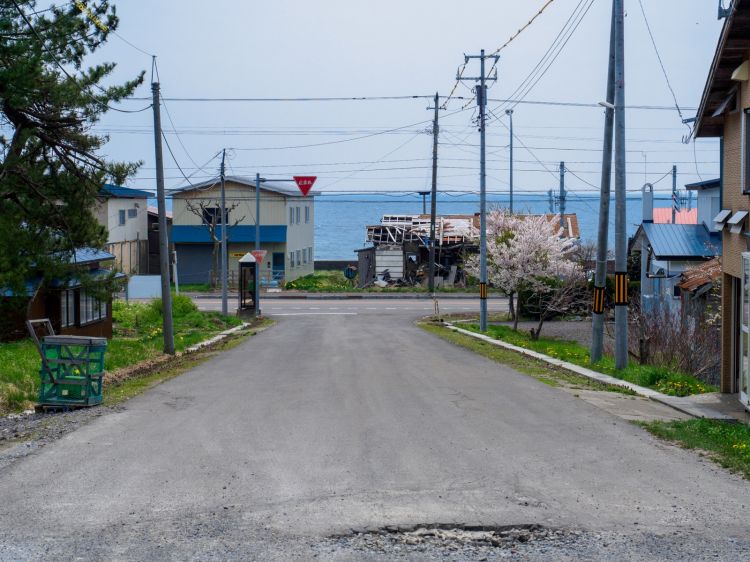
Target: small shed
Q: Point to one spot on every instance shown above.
(70, 308)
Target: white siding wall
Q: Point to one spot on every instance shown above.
(135, 228)
(274, 210)
(300, 236)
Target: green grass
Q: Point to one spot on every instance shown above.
(657, 378)
(194, 288)
(333, 281)
(137, 336)
(540, 370)
(728, 444)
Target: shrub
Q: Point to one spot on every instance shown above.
(182, 305)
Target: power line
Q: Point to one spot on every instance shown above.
(661, 62)
(64, 71)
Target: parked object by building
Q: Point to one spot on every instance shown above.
(724, 112)
(286, 229)
(123, 212)
(71, 309)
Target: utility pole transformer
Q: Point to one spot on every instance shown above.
(481, 95)
(433, 197)
(600, 279)
(621, 239)
(166, 295)
(224, 232)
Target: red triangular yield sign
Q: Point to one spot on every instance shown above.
(305, 183)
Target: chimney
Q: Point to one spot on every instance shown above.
(648, 202)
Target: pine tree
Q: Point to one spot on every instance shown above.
(51, 172)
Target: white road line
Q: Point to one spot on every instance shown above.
(317, 314)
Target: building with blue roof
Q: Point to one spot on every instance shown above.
(71, 309)
(668, 250)
(287, 220)
(124, 213)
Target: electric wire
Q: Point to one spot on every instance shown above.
(63, 69)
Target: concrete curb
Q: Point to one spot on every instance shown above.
(217, 338)
(680, 404)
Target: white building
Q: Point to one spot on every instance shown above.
(124, 213)
(287, 221)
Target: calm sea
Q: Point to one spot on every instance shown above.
(340, 220)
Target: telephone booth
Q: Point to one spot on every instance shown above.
(247, 304)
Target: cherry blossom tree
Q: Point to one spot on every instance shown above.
(523, 253)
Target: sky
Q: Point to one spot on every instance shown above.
(347, 48)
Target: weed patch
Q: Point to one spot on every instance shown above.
(661, 379)
(728, 444)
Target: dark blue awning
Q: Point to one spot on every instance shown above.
(198, 234)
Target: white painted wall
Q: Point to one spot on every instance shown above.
(708, 207)
(136, 228)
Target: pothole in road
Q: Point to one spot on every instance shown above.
(448, 538)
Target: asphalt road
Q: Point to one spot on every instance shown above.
(356, 419)
(406, 307)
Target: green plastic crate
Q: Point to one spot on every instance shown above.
(72, 370)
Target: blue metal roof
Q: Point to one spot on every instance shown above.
(125, 192)
(88, 255)
(30, 287)
(682, 241)
(95, 274)
(198, 234)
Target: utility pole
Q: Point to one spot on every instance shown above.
(224, 232)
(600, 279)
(166, 295)
(674, 194)
(509, 113)
(621, 239)
(481, 94)
(562, 197)
(433, 197)
(257, 243)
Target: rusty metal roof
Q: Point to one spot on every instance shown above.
(704, 274)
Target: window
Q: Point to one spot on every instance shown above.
(299, 261)
(307, 215)
(132, 213)
(121, 214)
(296, 214)
(291, 216)
(304, 255)
(746, 152)
(90, 309)
(291, 259)
(212, 215)
(310, 254)
(67, 308)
